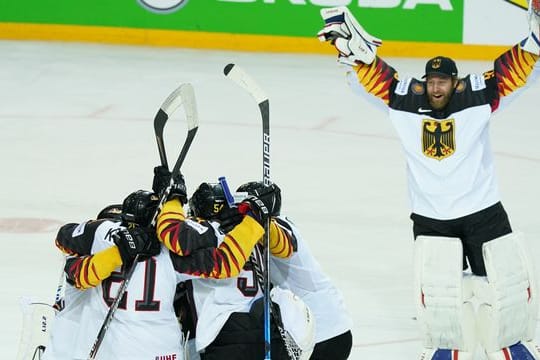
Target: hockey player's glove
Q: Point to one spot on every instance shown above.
(269, 194)
(254, 207)
(162, 179)
(228, 218)
(136, 241)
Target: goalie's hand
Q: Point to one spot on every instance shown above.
(354, 44)
(332, 31)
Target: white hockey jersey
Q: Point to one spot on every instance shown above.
(450, 167)
(144, 325)
(303, 275)
(216, 300)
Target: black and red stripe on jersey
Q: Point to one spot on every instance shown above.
(510, 72)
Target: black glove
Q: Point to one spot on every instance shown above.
(269, 194)
(254, 207)
(162, 179)
(228, 218)
(136, 241)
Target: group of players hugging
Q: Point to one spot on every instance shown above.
(196, 290)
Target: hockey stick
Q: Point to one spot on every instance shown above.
(294, 351)
(240, 77)
(173, 101)
(183, 95)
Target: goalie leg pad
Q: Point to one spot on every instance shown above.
(38, 319)
(519, 351)
(445, 354)
(508, 297)
(443, 295)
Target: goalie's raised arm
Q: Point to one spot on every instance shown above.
(442, 119)
(348, 36)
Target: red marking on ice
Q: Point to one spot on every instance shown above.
(28, 225)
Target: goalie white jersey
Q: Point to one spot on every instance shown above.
(449, 146)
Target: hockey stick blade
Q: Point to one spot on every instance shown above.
(184, 96)
(187, 97)
(184, 93)
(239, 76)
(242, 79)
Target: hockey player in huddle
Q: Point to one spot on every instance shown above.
(145, 325)
(303, 275)
(227, 313)
(443, 123)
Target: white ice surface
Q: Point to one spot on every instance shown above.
(76, 135)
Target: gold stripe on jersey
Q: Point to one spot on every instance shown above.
(512, 69)
(235, 249)
(376, 78)
(167, 225)
(89, 271)
(226, 260)
(280, 241)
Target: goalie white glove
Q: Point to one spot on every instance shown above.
(348, 36)
(532, 42)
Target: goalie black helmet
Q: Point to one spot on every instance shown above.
(269, 195)
(139, 207)
(207, 201)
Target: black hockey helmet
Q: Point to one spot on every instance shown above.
(270, 195)
(112, 212)
(208, 200)
(139, 207)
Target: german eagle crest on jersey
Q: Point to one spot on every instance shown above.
(438, 138)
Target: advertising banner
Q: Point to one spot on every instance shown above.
(399, 20)
(467, 29)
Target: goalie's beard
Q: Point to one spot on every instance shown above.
(441, 102)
